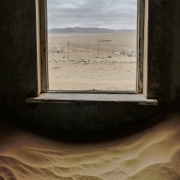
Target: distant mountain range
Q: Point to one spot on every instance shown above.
(86, 30)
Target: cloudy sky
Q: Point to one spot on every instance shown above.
(112, 14)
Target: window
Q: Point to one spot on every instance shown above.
(117, 96)
(92, 45)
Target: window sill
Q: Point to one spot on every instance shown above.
(139, 99)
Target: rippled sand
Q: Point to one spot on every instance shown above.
(151, 152)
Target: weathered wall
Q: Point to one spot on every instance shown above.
(160, 48)
(0, 74)
(175, 77)
(17, 34)
(164, 44)
(18, 66)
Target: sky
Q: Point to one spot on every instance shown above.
(111, 14)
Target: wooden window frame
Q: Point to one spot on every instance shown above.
(140, 95)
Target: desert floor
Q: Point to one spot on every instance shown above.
(92, 61)
(147, 150)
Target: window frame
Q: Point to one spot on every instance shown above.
(141, 65)
(44, 54)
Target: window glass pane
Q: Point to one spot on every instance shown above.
(92, 44)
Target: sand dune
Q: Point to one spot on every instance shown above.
(152, 153)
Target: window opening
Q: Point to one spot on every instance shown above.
(92, 45)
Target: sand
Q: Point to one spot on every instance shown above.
(92, 61)
(150, 152)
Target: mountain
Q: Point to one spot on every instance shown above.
(86, 30)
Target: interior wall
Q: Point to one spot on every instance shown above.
(18, 49)
(1, 59)
(18, 69)
(160, 48)
(175, 82)
(163, 50)
(0, 77)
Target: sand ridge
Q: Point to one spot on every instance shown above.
(152, 153)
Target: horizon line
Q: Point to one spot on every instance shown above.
(90, 27)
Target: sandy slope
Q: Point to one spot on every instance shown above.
(151, 154)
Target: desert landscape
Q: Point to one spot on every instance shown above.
(92, 59)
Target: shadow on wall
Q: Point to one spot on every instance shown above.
(15, 123)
